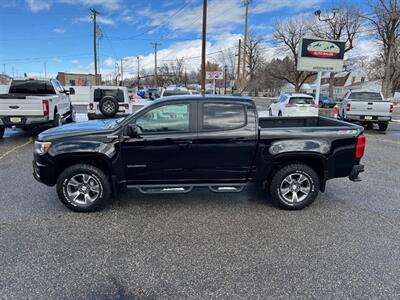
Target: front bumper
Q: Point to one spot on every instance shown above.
(44, 170)
(357, 169)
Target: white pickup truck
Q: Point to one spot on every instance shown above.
(366, 108)
(33, 103)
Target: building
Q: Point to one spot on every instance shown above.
(74, 79)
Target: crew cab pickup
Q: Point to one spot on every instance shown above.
(366, 108)
(32, 103)
(179, 143)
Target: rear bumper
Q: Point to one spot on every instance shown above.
(357, 169)
(25, 121)
(362, 118)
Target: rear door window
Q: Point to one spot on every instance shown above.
(301, 100)
(223, 116)
(100, 93)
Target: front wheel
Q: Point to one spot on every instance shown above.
(57, 120)
(383, 126)
(72, 115)
(83, 188)
(270, 112)
(2, 129)
(294, 187)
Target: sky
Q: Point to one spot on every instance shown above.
(58, 34)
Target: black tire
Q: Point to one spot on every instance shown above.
(108, 106)
(280, 114)
(310, 184)
(369, 126)
(57, 120)
(2, 129)
(383, 126)
(270, 112)
(71, 118)
(97, 176)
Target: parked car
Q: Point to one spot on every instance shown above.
(175, 91)
(325, 101)
(293, 105)
(367, 108)
(110, 102)
(176, 144)
(34, 102)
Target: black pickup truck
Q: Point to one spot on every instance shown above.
(176, 144)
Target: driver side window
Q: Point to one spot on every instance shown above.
(165, 119)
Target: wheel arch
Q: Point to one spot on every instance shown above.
(314, 161)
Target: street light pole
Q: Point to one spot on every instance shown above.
(138, 72)
(225, 71)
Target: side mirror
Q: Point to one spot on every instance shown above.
(132, 130)
(71, 91)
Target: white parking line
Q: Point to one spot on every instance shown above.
(15, 149)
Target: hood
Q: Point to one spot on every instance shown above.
(76, 129)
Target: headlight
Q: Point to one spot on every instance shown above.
(42, 147)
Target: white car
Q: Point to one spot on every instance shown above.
(112, 101)
(294, 105)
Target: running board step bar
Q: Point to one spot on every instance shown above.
(186, 188)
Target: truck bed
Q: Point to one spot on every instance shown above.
(296, 122)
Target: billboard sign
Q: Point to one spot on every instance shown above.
(318, 55)
(214, 75)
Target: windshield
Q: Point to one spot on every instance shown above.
(366, 96)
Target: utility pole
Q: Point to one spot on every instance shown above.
(203, 49)
(138, 72)
(155, 63)
(94, 16)
(225, 72)
(244, 70)
(122, 71)
(238, 66)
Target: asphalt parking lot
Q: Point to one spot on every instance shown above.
(203, 245)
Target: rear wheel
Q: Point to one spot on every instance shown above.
(295, 186)
(383, 126)
(280, 114)
(270, 112)
(370, 126)
(83, 188)
(2, 129)
(57, 120)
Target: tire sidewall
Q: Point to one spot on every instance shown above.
(282, 174)
(101, 106)
(71, 172)
(2, 130)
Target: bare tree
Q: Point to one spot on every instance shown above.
(345, 26)
(287, 34)
(255, 58)
(386, 24)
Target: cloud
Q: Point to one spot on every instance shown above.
(365, 47)
(56, 60)
(108, 4)
(100, 19)
(75, 61)
(266, 6)
(59, 30)
(38, 5)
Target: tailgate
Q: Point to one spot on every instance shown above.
(369, 108)
(30, 106)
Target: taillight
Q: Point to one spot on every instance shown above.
(45, 103)
(336, 109)
(290, 105)
(391, 107)
(360, 148)
(348, 106)
(126, 106)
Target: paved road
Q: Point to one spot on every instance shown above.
(203, 245)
